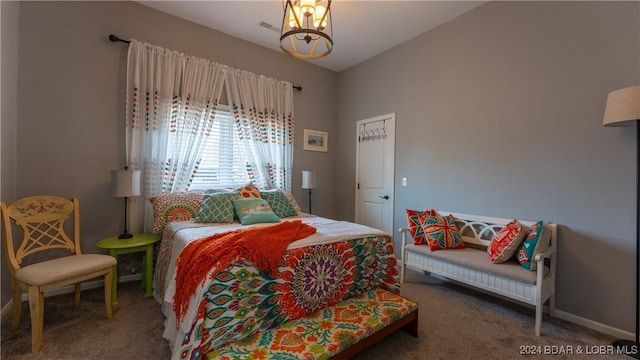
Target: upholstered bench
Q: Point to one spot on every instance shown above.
(471, 266)
(338, 332)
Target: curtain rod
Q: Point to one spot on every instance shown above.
(114, 38)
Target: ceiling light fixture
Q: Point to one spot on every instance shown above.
(305, 34)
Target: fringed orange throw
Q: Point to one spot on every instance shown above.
(262, 246)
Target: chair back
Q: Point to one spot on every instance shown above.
(42, 219)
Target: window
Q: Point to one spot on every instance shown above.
(223, 161)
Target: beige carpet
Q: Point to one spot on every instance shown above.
(455, 323)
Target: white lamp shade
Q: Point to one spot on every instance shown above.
(623, 107)
(125, 183)
(308, 179)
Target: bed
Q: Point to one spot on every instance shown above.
(340, 260)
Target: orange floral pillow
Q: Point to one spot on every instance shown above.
(248, 191)
(179, 206)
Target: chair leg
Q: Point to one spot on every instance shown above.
(108, 301)
(76, 299)
(36, 307)
(17, 305)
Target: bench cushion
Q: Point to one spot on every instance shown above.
(324, 333)
(479, 260)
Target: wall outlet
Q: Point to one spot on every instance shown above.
(404, 181)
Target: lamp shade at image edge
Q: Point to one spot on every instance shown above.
(623, 107)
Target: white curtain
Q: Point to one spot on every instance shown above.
(263, 113)
(172, 100)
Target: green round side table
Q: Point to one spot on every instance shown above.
(137, 243)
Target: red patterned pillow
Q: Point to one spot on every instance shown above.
(507, 242)
(248, 191)
(441, 232)
(415, 226)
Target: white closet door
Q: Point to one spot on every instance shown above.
(375, 157)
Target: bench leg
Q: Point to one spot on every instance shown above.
(539, 311)
(412, 327)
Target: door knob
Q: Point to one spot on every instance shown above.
(386, 197)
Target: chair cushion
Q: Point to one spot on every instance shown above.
(67, 267)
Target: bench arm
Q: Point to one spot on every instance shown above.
(404, 232)
(544, 255)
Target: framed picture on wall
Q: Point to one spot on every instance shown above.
(315, 140)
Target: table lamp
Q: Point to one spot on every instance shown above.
(125, 183)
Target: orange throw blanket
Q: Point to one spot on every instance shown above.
(263, 246)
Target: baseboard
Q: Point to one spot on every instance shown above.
(594, 325)
(69, 289)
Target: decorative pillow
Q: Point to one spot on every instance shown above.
(537, 241)
(248, 191)
(441, 232)
(254, 211)
(217, 191)
(217, 208)
(293, 202)
(415, 226)
(180, 206)
(279, 203)
(506, 242)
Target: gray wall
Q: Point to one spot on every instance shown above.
(8, 123)
(70, 94)
(499, 113)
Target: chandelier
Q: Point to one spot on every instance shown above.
(305, 34)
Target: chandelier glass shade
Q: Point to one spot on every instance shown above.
(307, 29)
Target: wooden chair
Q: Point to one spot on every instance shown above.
(42, 219)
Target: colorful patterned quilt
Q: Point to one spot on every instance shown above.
(340, 261)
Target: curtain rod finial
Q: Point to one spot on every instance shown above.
(114, 38)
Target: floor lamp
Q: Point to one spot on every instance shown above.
(308, 182)
(623, 109)
(125, 183)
